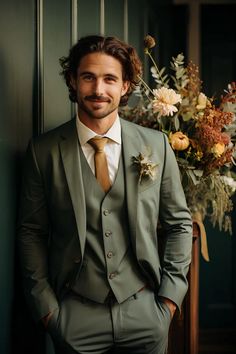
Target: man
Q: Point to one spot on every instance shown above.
(88, 219)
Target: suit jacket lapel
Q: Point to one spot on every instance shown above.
(130, 147)
(69, 146)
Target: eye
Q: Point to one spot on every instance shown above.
(88, 77)
(110, 79)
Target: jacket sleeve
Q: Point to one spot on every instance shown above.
(176, 222)
(33, 236)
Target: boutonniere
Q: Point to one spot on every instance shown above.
(146, 168)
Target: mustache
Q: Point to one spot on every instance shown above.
(97, 98)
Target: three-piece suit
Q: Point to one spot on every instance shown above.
(83, 250)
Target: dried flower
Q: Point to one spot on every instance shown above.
(164, 101)
(202, 101)
(199, 155)
(218, 149)
(146, 168)
(179, 141)
(230, 182)
(149, 42)
(194, 83)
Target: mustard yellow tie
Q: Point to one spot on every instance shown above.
(100, 162)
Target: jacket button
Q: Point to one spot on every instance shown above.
(112, 275)
(67, 285)
(77, 260)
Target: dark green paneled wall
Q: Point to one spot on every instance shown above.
(114, 18)
(17, 56)
(89, 18)
(56, 41)
(33, 99)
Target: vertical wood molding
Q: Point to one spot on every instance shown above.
(74, 38)
(126, 26)
(40, 69)
(74, 21)
(102, 17)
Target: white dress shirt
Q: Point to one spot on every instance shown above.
(112, 149)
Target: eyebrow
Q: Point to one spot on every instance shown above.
(86, 73)
(91, 73)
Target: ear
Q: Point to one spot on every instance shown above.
(125, 87)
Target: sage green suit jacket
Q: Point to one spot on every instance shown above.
(52, 221)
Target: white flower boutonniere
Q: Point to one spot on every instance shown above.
(146, 168)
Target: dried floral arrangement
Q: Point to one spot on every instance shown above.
(201, 133)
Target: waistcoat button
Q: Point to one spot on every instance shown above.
(108, 233)
(106, 212)
(109, 254)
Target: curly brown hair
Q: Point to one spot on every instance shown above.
(126, 54)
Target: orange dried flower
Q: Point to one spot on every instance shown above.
(179, 141)
(194, 83)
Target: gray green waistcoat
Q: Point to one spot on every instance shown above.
(109, 263)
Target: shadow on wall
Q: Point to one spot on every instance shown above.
(18, 332)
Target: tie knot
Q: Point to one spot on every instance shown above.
(98, 143)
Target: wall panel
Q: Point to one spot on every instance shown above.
(56, 43)
(34, 99)
(114, 18)
(17, 57)
(88, 17)
(137, 24)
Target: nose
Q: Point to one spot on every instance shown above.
(98, 87)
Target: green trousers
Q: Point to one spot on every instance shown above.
(139, 325)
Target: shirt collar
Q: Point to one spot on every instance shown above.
(85, 134)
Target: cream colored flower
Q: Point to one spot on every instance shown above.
(165, 101)
(179, 141)
(230, 182)
(218, 149)
(202, 101)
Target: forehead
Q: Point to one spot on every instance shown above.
(100, 63)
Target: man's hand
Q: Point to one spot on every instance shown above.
(172, 306)
(46, 319)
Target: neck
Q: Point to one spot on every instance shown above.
(98, 125)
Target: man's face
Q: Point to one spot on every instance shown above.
(99, 86)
